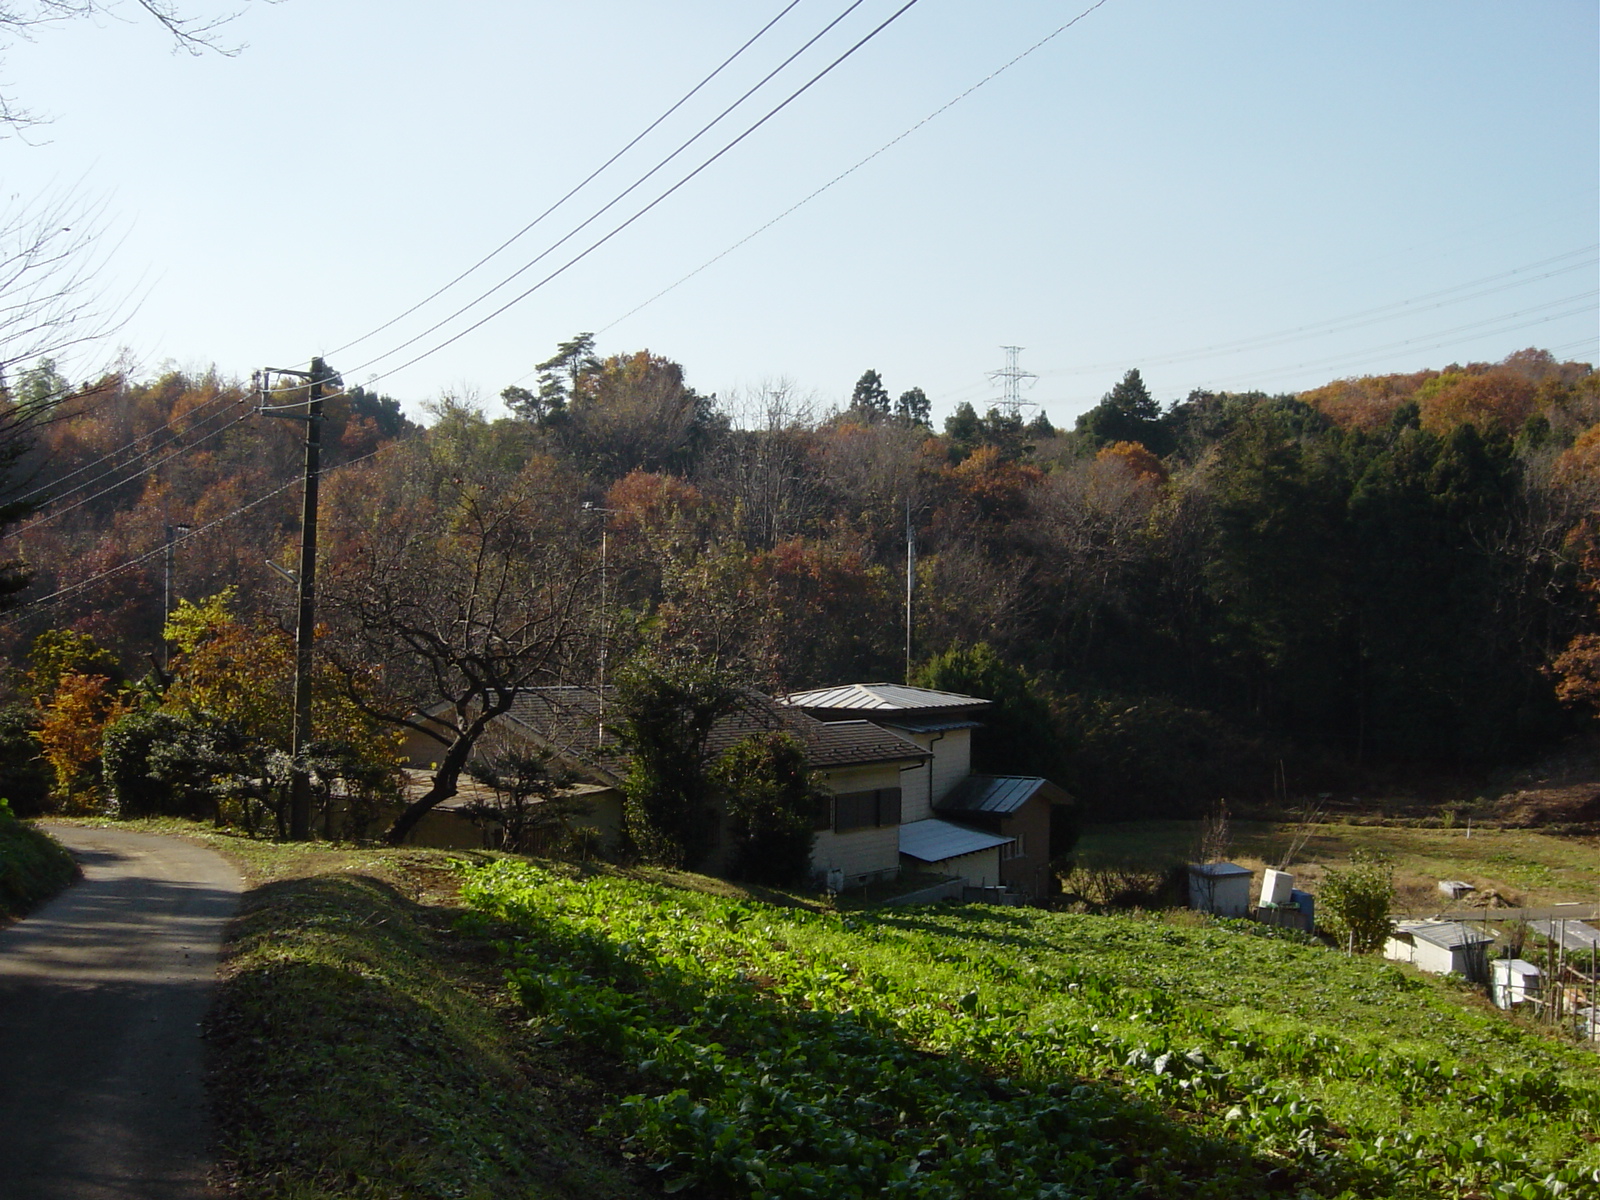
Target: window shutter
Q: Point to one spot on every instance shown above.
(889, 806)
(822, 813)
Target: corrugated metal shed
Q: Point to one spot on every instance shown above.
(1573, 935)
(999, 793)
(1445, 934)
(933, 840)
(881, 697)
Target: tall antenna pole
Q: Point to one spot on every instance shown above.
(1012, 376)
(306, 623)
(911, 578)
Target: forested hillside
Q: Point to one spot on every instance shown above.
(1386, 574)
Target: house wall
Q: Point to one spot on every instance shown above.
(1029, 872)
(951, 763)
(980, 869)
(872, 852)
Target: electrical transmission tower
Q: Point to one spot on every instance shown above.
(1011, 376)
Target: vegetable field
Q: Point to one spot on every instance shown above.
(942, 1052)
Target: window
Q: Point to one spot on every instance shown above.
(1014, 849)
(865, 810)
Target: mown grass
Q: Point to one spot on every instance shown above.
(33, 867)
(1521, 864)
(361, 1047)
(779, 1051)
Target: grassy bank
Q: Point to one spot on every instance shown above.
(33, 867)
(782, 1052)
(362, 1048)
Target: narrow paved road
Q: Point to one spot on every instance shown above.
(101, 996)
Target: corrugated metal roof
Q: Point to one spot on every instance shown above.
(933, 840)
(1445, 934)
(998, 793)
(1574, 935)
(881, 697)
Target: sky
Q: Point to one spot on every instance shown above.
(1227, 195)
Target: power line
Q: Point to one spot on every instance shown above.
(892, 142)
(130, 446)
(57, 513)
(60, 594)
(1371, 316)
(576, 189)
(1414, 304)
(658, 200)
(617, 199)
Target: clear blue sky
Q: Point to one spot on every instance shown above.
(1151, 188)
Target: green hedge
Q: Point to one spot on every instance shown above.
(33, 867)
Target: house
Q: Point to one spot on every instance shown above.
(991, 830)
(1443, 947)
(1017, 808)
(861, 765)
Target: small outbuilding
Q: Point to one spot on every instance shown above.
(952, 849)
(1443, 947)
(1222, 888)
(1513, 982)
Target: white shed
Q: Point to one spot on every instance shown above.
(1222, 888)
(1513, 981)
(1443, 947)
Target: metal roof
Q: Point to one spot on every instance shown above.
(881, 697)
(944, 726)
(568, 720)
(998, 793)
(1573, 935)
(933, 840)
(1218, 870)
(1445, 934)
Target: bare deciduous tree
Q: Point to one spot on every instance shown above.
(448, 606)
(22, 19)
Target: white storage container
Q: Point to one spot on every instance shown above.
(1276, 887)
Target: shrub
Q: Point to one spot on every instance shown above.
(159, 763)
(771, 801)
(1353, 903)
(33, 867)
(24, 775)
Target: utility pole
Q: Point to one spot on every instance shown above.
(1013, 376)
(605, 622)
(166, 594)
(306, 623)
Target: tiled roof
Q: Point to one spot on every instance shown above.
(998, 793)
(1445, 934)
(850, 743)
(569, 721)
(933, 840)
(881, 697)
